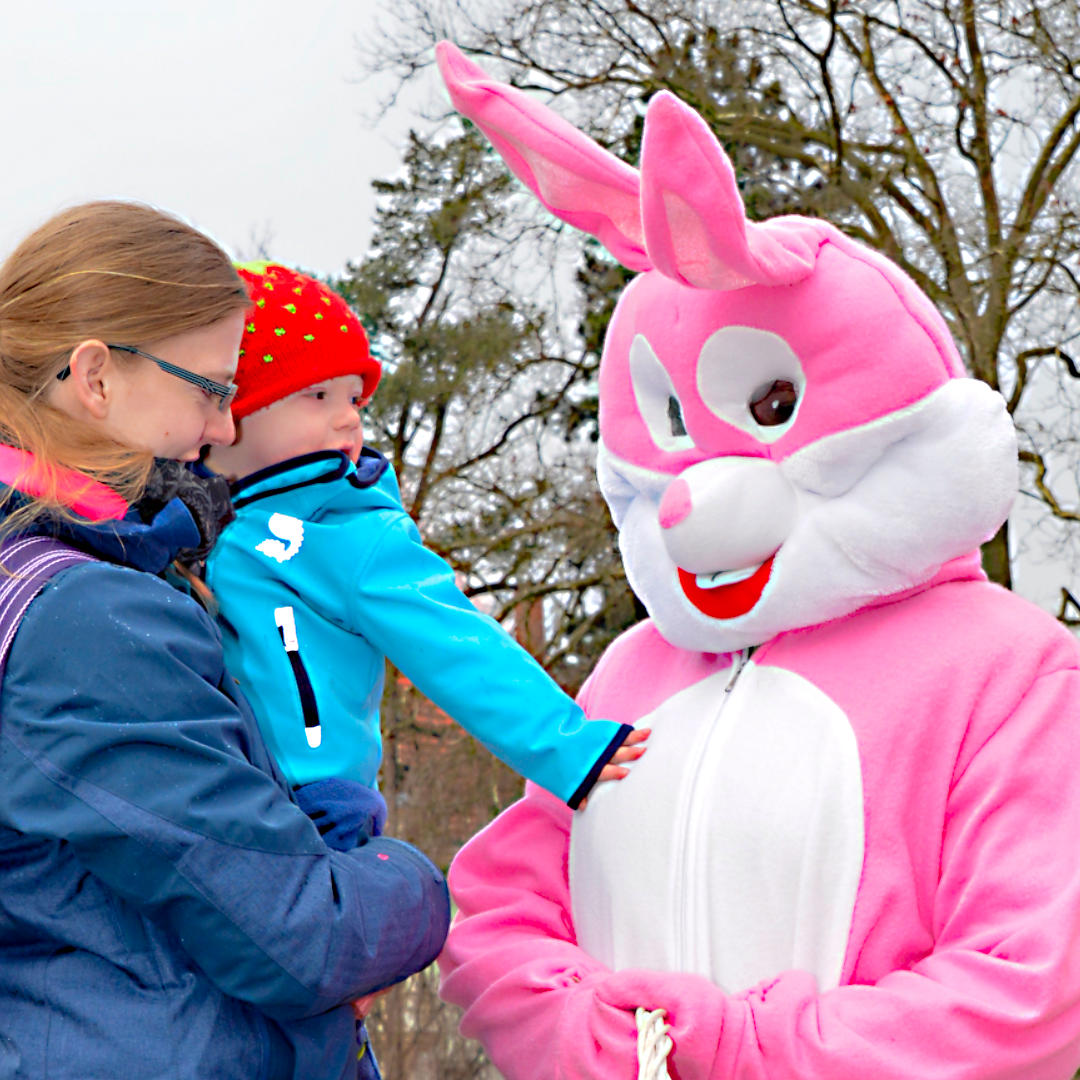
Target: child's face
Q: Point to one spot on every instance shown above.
(323, 416)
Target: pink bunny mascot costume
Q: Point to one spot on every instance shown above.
(852, 850)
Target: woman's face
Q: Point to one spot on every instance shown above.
(142, 406)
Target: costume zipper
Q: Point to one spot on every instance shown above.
(687, 826)
(285, 621)
(736, 668)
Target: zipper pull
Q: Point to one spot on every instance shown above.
(285, 621)
(736, 669)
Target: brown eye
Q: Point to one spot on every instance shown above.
(774, 403)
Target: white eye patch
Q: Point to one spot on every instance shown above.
(656, 399)
(735, 364)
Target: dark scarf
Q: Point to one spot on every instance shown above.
(205, 497)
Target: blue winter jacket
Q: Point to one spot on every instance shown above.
(166, 911)
(321, 576)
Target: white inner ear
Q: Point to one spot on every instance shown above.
(656, 398)
(735, 362)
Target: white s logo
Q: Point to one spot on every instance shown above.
(288, 529)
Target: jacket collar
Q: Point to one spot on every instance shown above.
(105, 526)
(149, 546)
(321, 467)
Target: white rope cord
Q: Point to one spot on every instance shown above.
(653, 1045)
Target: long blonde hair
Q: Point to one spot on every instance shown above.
(115, 271)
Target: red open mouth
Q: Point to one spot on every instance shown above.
(727, 601)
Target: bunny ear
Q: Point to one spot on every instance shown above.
(571, 175)
(695, 225)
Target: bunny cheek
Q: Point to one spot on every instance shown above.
(727, 601)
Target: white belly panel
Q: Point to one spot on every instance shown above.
(734, 848)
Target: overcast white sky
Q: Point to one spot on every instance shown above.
(246, 117)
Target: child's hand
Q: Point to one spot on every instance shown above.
(630, 750)
(346, 813)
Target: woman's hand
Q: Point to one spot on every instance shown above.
(362, 1006)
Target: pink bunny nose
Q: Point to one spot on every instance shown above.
(676, 504)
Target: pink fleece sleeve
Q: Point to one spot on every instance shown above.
(999, 995)
(528, 991)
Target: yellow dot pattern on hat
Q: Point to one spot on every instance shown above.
(250, 328)
(344, 328)
(261, 302)
(290, 308)
(267, 358)
(279, 331)
(309, 337)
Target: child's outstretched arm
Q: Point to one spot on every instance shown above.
(405, 602)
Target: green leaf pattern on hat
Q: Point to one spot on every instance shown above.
(283, 348)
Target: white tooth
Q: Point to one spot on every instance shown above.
(726, 577)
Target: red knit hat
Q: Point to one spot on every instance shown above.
(297, 333)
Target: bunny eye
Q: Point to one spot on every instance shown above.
(751, 379)
(675, 417)
(774, 403)
(657, 399)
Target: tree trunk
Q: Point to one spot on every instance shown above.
(995, 557)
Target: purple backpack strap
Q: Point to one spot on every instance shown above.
(26, 564)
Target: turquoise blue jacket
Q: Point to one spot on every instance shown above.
(323, 575)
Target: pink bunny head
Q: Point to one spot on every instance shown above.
(787, 433)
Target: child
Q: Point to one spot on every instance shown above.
(322, 574)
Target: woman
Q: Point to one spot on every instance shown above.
(166, 910)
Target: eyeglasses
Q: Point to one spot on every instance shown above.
(225, 391)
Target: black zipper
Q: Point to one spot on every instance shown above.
(307, 694)
(286, 628)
